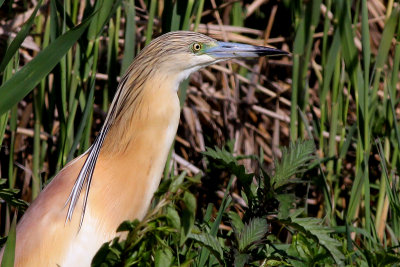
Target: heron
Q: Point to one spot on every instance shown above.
(115, 179)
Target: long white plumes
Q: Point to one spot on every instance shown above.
(86, 173)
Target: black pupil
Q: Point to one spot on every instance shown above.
(196, 46)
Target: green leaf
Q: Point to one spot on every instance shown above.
(274, 262)
(173, 217)
(253, 233)
(188, 215)
(10, 195)
(304, 251)
(240, 172)
(128, 226)
(226, 201)
(313, 227)
(241, 259)
(293, 161)
(163, 257)
(220, 154)
(9, 250)
(285, 204)
(18, 86)
(176, 182)
(229, 161)
(210, 242)
(236, 222)
(109, 254)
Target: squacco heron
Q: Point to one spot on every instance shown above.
(115, 179)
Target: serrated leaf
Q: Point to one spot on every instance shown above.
(252, 233)
(236, 223)
(293, 161)
(220, 154)
(210, 242)
(321, 233)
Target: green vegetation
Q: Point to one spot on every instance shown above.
(306, 148)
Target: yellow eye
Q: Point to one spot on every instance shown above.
(196, 47)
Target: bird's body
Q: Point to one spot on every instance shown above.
(132, 149)
(130, 191)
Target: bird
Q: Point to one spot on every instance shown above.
(115, 179)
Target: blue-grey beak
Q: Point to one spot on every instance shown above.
(233, 50)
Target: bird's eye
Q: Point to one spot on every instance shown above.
(196, 47)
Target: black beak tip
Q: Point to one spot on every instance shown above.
(273, 52)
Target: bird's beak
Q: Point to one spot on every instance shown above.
(225, 50)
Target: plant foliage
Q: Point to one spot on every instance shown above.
(171, 234)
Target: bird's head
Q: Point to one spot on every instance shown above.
(184, 52)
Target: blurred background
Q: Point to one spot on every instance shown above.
(339, 88)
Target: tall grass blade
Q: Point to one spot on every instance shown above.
(198, 14)
(3, 126)
(21, 35)
(149, 30)
(9, 250)
(130, 35)
(106, 10)
(82, 124)
(32, 73)
(204, 253)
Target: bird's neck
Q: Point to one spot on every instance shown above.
(146, 117)
(135, 150)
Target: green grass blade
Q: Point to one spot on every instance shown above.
(384, 46)
(130, 36)
(301, 57)
(204, 254)
(32, 73)
(355, 196)
(106, 10)
(198, 14)
(3, 125)
(188, 13)
(366, 49)
(82, 124)
(9, 250)
(16, 43)
(149, 30)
